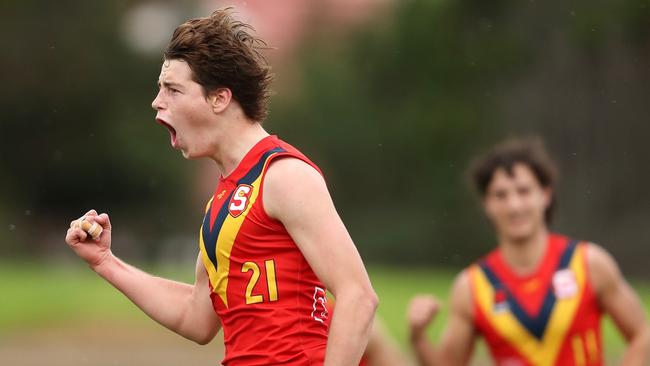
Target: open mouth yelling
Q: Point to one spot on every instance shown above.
(172, 131)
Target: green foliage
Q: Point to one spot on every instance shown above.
(77, 127)
(393, 116)
(392, 113)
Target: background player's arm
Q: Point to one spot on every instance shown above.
(457, 342)
(382, 350)
(184, 309)
(619, 300)
(296, 194)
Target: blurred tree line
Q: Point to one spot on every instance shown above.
(397, 112)
(78, 130)
(392, 113)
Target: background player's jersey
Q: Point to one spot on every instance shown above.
(550, 317)
(271, 304)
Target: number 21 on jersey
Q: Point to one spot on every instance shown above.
(255, 277)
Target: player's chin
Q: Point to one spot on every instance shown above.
(190, 155)
(520, 231)
(194, 152)
(186, 152)
(517, 231)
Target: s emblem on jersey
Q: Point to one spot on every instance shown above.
(319, 312)
(239, 200)
(565, 284)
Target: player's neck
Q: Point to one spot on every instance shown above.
(524, 255)
(235, 144)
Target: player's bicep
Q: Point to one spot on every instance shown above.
(615, 295)
(457, 343)
(306, 210)
(626, 310)
(201, 301)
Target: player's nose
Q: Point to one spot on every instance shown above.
(513, 202)
(157, 103)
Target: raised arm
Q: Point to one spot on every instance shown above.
(183, 308)
(296, 194)
(457, 342)
(619, 300)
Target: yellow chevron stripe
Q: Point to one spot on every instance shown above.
(539, 353)
(226, 240)
(504, 322)
(207, 206)
(565, 309)
(209, 266)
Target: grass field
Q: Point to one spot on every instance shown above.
(55, 306)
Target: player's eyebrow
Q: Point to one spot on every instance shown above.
(169, 84)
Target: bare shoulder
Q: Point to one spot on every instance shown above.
(599, 259)
(290, 181)
(602, 266)
(288, 167)
(461, 283)
(461, 294)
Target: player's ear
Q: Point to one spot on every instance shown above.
(219, 99)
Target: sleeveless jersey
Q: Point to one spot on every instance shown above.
(270, 302)
(550, 317)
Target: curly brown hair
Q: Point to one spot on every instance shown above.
(223, 53)
(528, 151)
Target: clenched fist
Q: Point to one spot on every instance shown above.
(421, 311)
(93, 251)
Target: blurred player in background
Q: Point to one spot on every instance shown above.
(271, 240)
(538, 298)
(382, 350)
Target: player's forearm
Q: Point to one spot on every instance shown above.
(423, 348)
(382, 349)
(638, 350)
(165, 301)
(350, 327)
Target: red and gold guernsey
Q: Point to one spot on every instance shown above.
(550, 317)
(271, 304)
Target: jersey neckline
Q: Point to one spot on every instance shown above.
(251, 155)
(553, 240)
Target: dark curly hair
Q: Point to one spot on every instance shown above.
(223, 53)
(527, 151)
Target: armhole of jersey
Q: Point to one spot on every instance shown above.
(583, 250)
(471, 273)
(207, 205)
(283, 155)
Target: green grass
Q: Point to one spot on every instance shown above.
(35, 295)
(396, 286)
